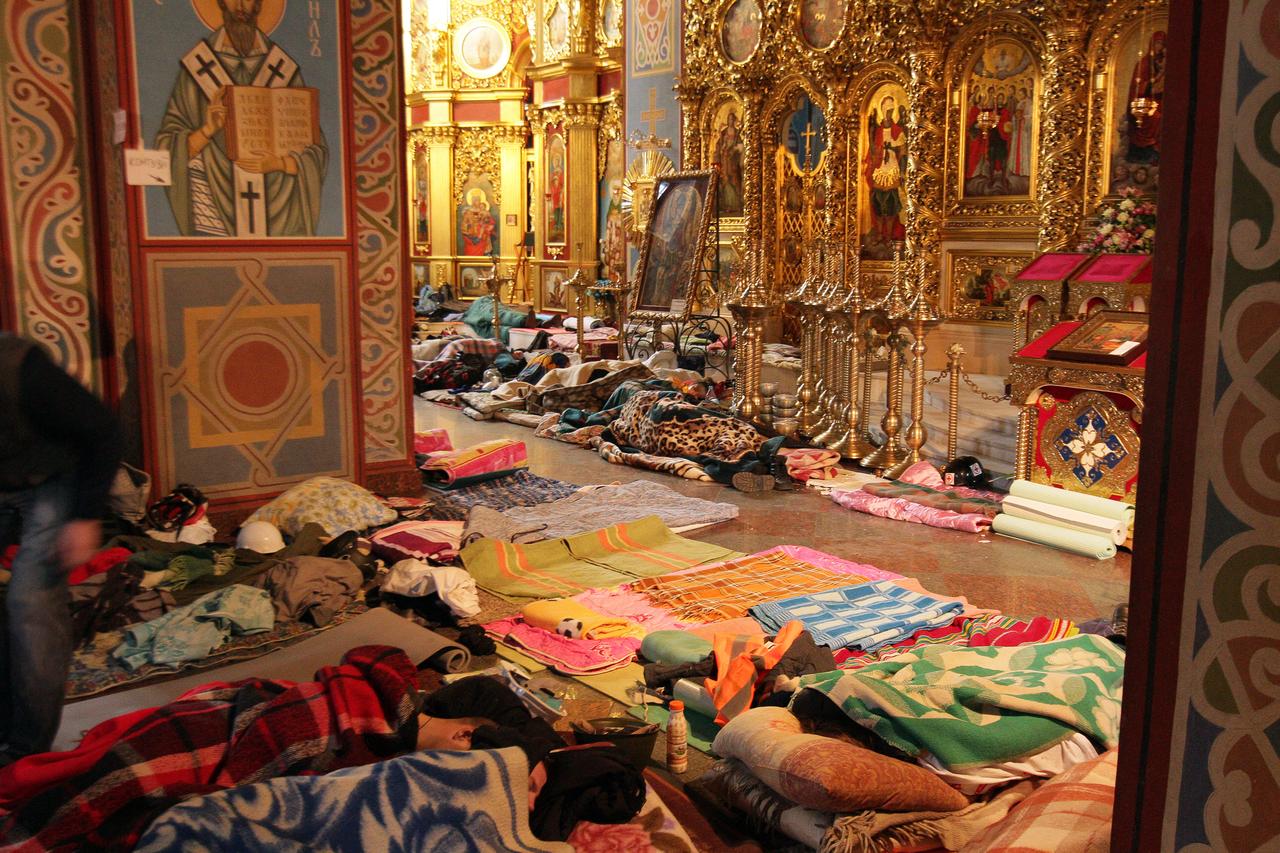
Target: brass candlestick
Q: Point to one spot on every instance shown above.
(814, 319)
(867, 346)
(581, 284)
(750, 308)
(895, 309)
(955, 361)
(837, 432)
(922, 314)
(494, 284)
(620, 292)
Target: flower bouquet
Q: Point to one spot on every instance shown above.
(1126, 225)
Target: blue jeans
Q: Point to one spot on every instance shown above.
(36, 640)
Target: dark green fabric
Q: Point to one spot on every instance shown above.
(480, 317)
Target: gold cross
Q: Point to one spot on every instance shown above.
(808, 141)
(653, 115)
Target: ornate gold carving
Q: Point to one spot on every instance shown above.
(637, 190)
(925, 159)
(610, 128)
(477, 153)
(433, 134)
(1062, 134)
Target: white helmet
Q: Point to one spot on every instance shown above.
(260, 536)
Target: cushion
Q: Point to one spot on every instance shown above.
(671, 647)
(1071, 813)
(827, 774)
(335, 505)
(418, 540)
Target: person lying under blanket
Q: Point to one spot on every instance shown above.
(128, 770)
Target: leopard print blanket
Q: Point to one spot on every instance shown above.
(664, 424)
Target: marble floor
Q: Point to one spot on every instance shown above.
(1018, 578)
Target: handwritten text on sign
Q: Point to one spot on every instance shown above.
(147, 168)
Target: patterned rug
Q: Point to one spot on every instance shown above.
(519, 489)
(94, 670)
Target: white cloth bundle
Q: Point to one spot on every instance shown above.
(1064, 516)
(1075, 500)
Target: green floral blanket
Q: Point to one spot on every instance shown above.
(973, 707)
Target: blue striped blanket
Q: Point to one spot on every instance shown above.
(442, 801)
(866, 616)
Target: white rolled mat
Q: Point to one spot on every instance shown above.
(695, 697)
(1085, 503)
(1065, 516)
(1074, 541)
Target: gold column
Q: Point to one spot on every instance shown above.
(925, 153)
(440, 141)
(1026, 434)
(582, 122)
(955, 364)
(1063, 132)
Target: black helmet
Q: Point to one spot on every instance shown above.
(966, 471)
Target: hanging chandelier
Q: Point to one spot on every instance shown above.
(1144, 106)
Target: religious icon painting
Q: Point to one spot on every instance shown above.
(674, 250)
(554, 295)
(882, 196)
(272, 166)
(803, 133)
(556, 203)
(477, 215)
(999, 123)
(471, 279)
(821, 22)
(420, 197)
(740, 30)
(1138, 64)
(557, 38)
(724, 150)
(482, 47)
(980, 282)
(613, 244)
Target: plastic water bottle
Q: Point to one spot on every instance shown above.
(677, 739)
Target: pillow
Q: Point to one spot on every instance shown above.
(827, 774)
(336, 505)
(1071, 813)
(672, 647)
(418, 540)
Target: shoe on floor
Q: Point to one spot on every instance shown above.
(751, 483)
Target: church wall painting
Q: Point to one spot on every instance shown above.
(1133, 154)
(482, 48)
(611, 236)
(740, 30)
(556, 209)
(202, 79)
(821, 22)
(471, 280)
(999, 122)
(478, 229)
(652, 49)
(978, 282)
(882, 193)
(724, 149)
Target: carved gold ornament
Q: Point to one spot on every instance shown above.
(637, 190)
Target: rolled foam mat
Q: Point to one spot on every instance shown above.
(1074, 500)
(1064, 516)
(1085, 544)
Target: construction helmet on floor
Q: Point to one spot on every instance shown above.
(260, 536)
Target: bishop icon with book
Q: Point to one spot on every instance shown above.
(243, 130)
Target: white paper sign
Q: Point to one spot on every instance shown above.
(118, 119)
(146, 168)
(677, 306)
(1124, 347)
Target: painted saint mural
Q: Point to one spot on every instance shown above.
(821, 21)
(675, 241)
(478, 219)
(249, 141)
(883, 202)
(421, 201)
(726, 152)
(612, 238)
(1135, 150)
(999, 122)
(557, 232)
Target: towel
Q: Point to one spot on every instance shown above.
(568, 618)
(488, 460)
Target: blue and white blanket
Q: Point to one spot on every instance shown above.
(441, 801)
(866, 616)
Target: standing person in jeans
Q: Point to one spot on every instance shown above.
(59, 450)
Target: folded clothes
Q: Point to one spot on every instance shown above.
(485, 461)
(191, 632)
(810, 463)
(864, 616)
(568, 618)
(415, 579)
(565, 655)
(419, 539)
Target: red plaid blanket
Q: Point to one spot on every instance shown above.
(221, 735)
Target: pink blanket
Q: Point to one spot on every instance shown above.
(565, 655)
(905, 510)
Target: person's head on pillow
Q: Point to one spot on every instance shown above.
(448, 733)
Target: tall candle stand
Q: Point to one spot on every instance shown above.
(814, 319)
(922, 314)
(750, 309)
(494, 285)
(866, 347)
(852, 444)
(620, 292)
(836, 406)
(895, 309)
(581, 284)
(806, 398)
